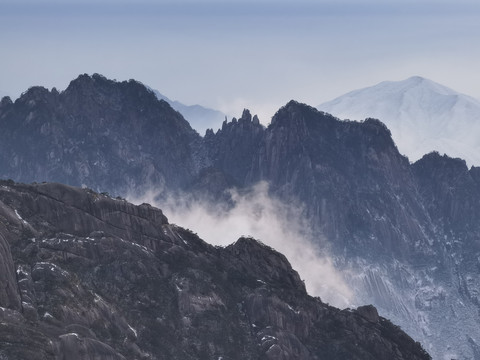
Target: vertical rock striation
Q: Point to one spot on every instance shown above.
(100, 278)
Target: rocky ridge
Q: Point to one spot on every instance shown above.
(99, 133)
(199, 117)
(406, 235)
(423, 116)
(86, 276)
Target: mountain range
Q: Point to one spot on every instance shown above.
(423, 116)
(403, 235)
(200, 118)
(86, 276)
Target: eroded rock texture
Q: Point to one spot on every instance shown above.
(86, 276)
(407, 235)
(106, 135)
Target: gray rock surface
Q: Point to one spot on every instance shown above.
(114, 137)
(406, 234)
(100, 278)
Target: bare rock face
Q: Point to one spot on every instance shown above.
(369, 312)
(451, 192)
(9, 296)
(99, 278)
(233, 147)
(407, 232)
(357, 189)
(117, 137)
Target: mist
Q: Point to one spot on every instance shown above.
(257, 214)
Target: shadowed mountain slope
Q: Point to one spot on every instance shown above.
(405, 235)
(423, 116)
(99, 133)
(87, 276)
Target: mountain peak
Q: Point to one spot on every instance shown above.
(5, 101)
(246, 115)
(98, 82)
(299, 115)
(416, 79)
(86, 84)
(424, 83)
(86, 79)
(434, 160)
(423, 116)
(292, 107)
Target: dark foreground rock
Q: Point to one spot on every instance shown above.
(85, 276)
(406, 234)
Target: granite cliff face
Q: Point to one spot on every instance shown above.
(99, 133)
(86, 276)
(234, 146)
(406, 235)
(357, 188)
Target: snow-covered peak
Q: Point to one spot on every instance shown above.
(422, 115)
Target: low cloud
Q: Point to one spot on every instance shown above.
(258, 214)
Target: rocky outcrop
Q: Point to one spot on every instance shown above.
(9, 296)
(100, 278)
(116, 137)
(406, 234)
(233, 147)
(357, 189)
(451, 193)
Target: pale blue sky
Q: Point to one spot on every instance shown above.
(233, 54)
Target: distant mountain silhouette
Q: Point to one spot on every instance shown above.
(423, 116)
(199, 117)
(406, 235)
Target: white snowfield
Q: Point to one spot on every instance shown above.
(422, 115)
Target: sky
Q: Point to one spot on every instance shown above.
(230, 54)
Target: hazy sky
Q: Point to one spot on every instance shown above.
(234, 54)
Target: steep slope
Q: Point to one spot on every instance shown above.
(199, 117)
(99, 278)
(340, 171)
(405, 235)
(233, 147)
(423, 116)
(106, 135)
(386, 228)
